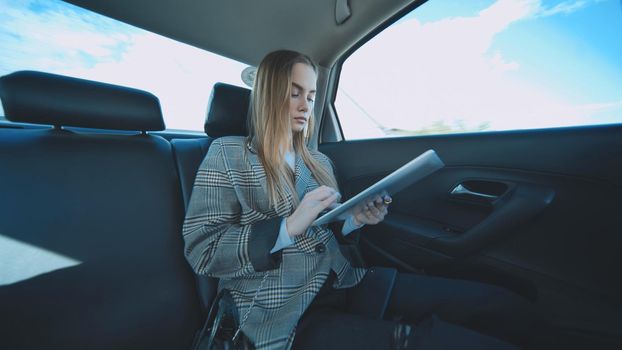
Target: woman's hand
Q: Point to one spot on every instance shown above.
(312, 204)
(372, 211)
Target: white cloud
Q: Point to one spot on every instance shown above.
(566, 7)
(57, 38)
(499, 64)
(498, 16)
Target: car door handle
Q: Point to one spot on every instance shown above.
(517, 205)
(482, 191)
(511, 204)
(461, 190)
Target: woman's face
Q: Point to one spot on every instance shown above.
(303, 96)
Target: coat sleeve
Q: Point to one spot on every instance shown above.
(216, 243)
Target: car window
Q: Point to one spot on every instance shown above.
(453, 66)
(56, 37)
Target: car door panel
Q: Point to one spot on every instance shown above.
(458, 225)
(549, 228)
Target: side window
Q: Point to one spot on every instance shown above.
(456, 66)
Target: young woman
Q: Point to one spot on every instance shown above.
(249, 224)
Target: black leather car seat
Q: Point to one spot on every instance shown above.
(109, 202)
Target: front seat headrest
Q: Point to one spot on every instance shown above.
(227, 111)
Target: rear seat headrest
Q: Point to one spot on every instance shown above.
(44, 98)
(227, 111)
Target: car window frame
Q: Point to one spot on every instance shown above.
(330, 126)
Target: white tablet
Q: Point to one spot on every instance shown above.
(411, 172)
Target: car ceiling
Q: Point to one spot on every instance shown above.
(245, 30)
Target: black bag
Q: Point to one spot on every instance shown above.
(220, 327)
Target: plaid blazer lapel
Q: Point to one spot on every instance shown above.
(304, 179)
(305, 182)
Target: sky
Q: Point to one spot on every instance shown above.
(504, 64)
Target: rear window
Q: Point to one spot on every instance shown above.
(56, 37)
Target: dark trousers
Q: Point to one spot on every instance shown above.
(423, 313)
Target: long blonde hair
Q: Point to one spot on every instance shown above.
(270, 128)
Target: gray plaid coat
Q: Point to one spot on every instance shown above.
(230, 229)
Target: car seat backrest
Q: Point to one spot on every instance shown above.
(226, 116)
(90, 221)
(227, 113)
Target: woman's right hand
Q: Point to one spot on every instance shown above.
(312, 204)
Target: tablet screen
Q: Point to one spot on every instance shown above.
(411, 172)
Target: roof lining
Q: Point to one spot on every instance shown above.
(306, 26)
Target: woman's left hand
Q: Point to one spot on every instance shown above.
(372, 211)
